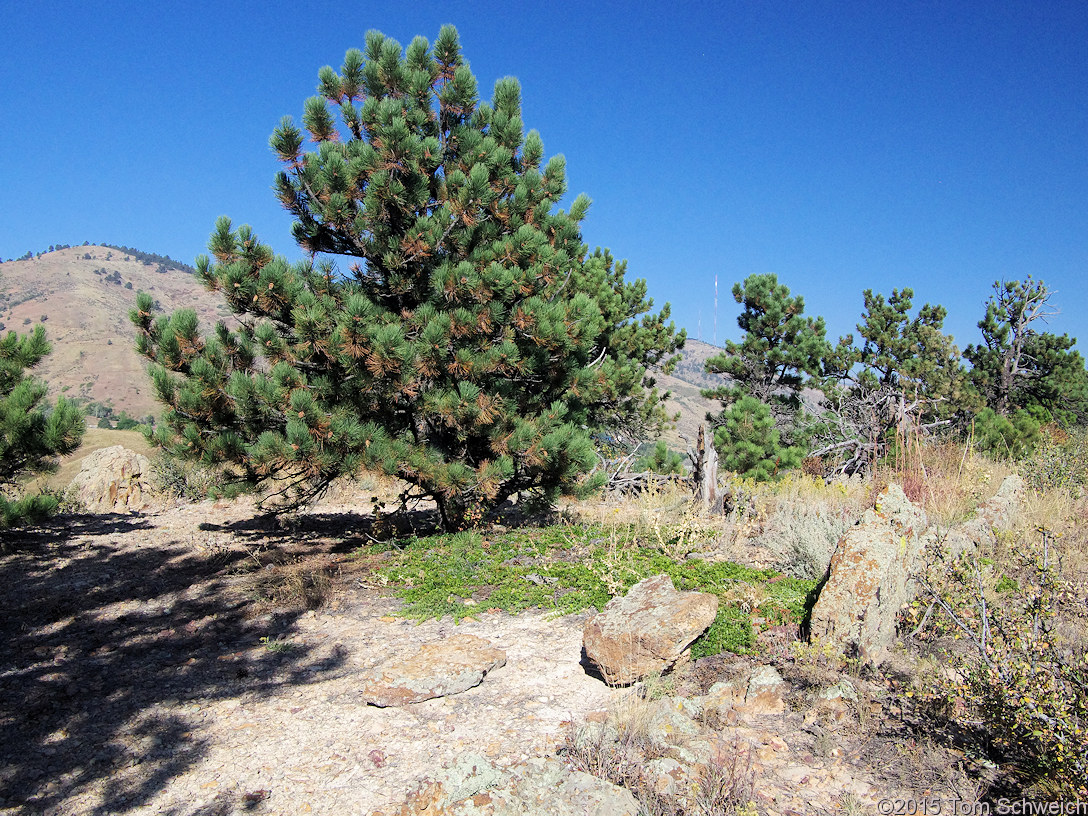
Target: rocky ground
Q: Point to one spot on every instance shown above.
(160, 663)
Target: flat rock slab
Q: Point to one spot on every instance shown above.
(439, 669)
(647, 630)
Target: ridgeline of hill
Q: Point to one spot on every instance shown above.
(83, 295)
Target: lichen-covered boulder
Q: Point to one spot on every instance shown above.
(870, 578)
(112, 480)
(647, 630)
(472, 786)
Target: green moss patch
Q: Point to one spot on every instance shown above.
(567, 569)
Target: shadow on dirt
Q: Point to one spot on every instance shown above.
(347, 530)
(108, 655)
(71, 526)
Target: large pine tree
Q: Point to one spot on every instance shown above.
(471, 346)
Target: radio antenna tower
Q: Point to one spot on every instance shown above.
(715, 310)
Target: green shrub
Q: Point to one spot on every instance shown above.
(750, 445)
(661, 460)
(126, 423)
(1022, 681)
(1014, 436)
(1059, 462)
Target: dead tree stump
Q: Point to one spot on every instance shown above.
(705, 474)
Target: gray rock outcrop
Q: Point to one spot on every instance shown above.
(472, 786)
(440, 669)
(979, 532)
(869, 578)
(647, 630)
(112, 480)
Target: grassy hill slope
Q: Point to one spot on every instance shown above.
(83, 295)
(685, 383)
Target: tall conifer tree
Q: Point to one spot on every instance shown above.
(471, 346)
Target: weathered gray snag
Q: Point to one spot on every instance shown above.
(706, 470)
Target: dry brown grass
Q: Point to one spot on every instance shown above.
(946, 479)
(792, 525)
(293, 584)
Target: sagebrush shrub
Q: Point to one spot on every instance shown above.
(1059, 462)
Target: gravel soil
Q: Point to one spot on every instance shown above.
(141, 672)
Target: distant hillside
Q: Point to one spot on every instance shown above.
(165, 262)
(687, 380)
(83, 295)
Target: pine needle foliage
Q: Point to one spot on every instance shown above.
(759, 432)
(472, 345)
(32, 432)
(1016, 366)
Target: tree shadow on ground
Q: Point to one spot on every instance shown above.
(64, 528)
(344, 530)
(108, 653)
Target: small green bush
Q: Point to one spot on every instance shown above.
(1059, 462)
(1014, 436)
(661, 460)
(126, 423)
(1024, 682)
(750, 445)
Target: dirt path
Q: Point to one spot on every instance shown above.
(136, 678)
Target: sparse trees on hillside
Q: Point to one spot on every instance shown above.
(32, 432)
(472, 345)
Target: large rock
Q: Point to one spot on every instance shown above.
(474, 787)
(112, 480)
(451, 666)
(647, 630)
(870, 578)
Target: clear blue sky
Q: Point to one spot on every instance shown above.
(839, 145)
